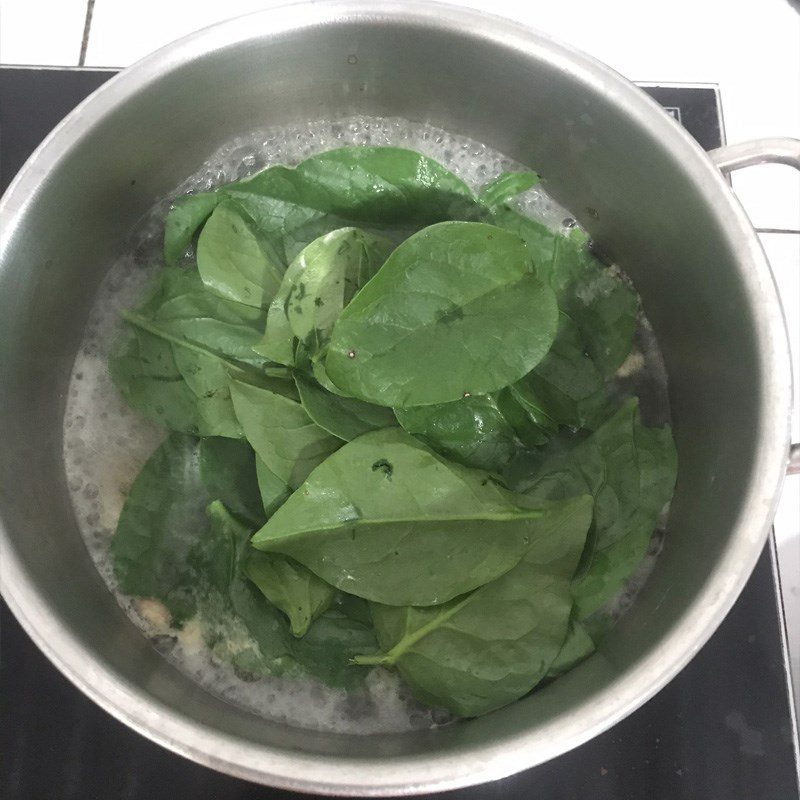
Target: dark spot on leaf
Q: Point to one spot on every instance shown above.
(397, 552)
(384, 466)
(301, 291)
(235, 229)
(453, 314)
(319, 302)
(133, 182)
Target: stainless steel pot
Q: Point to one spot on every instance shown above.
(658, 205)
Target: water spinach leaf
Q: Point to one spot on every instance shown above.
(343, 417)
(630, 471)
(275, 423)
(172, 360)
(289, 586)
(386, 519)
(456, 309)
(486, 649)
(318, 284)
(472, 431)
(159, 528)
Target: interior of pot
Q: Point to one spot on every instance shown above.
(638, 185)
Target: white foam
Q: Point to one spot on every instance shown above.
(106, 443)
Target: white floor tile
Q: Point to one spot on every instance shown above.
(41, 31)
(123, 31)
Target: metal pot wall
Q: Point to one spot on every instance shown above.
(652, 199)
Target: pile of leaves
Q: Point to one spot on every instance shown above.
(394, 433)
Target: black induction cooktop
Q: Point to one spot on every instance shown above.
(722, 730)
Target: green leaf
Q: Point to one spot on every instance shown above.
(318, 284)
(566, 387)
(386, 519)
(280, 430)
(577, 647)
(325, 651)
(455, 309)
(228, 471)
(600, 303)
(273, 490)
(161, 524)
(234, 261)
(505, 186)
(329, 648)
(486, 649)
(472, 431)
(296, 591)
(630, 471)
(343, 417)
(185, 216)
(143, 368)
(375, 185)
(266, 646)
(172, 361)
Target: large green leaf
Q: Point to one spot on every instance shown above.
(484, 650)
(161, 523)
(235, 261)
(386, 519)
(173, 358)
(373, 185)
(472, 431)
(630, 471)
(344, 417)
(280, 430)
(600, 303)
(455, 310)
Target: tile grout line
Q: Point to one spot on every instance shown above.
(86, 28)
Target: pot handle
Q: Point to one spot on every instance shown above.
(758, 151)
(748, 154)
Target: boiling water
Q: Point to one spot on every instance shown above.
(106, 443)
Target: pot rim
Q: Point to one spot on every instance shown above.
(478, 763)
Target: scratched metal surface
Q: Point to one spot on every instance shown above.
(722, 730)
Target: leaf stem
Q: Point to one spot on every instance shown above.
(409, 640)
(374, 660)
